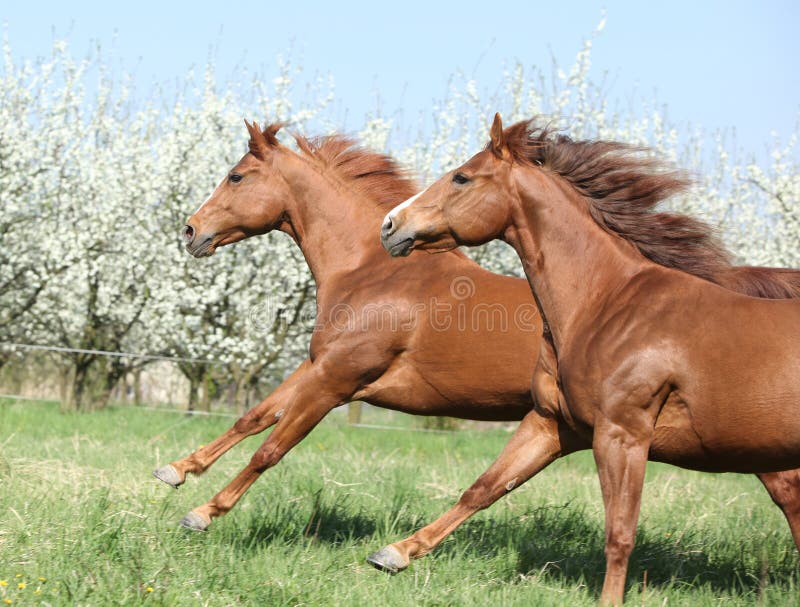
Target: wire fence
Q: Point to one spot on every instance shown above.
(228, 415)
(138, 407)
(176, 359)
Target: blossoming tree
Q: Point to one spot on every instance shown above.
(96, 182)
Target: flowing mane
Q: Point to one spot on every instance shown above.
(375, 175)
(767, 283)
(623, 185)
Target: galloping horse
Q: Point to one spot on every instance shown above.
(642, 356)
(385, 328)
(330, 198)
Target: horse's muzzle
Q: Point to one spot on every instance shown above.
(398, 242)
(197, 246)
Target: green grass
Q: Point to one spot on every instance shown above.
(78, 507)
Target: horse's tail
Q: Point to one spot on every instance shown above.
(768, 283)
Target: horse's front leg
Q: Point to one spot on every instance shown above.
(620, 452)
(258, 419)
(306, 404)
(784, 489)
(537, 442)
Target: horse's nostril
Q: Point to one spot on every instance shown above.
(387, 224)
(188, 234)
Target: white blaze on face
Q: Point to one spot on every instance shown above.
(393, 213)
(205, 202)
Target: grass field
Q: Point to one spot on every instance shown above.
(82, 522)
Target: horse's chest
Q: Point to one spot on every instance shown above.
(554, 399)
(578, 379)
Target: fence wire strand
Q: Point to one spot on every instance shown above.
(176, 359)
(228, 415)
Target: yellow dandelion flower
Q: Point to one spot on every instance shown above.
(37, 591)
(42, 579)
(18, 575)
(22, 585)
(3, 583)
(149, 589)
(7, 601)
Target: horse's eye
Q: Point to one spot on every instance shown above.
(235, 177)
(460, 178)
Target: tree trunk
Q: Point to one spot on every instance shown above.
(243, 391)
(113, 373)
(137, 386)
(240, 397)
(230, 394)
(79, 396)
(67, 397)
(194, 385)
(205, 401)
(196, 374)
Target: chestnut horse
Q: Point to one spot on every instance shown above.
(325, 196)
(642, 356)
(386, 329)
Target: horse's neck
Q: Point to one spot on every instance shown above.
(571, 263)
(336, 230)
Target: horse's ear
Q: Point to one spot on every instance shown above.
(262, 141)
(271, 132)
(258, 142)
(498, 141)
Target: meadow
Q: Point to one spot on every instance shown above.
(82, 521)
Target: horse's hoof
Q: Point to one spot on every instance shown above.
(169, 475)
(195, 522)
(388, 559)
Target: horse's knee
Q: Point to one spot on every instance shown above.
(784, 488)
(477, 497)
(268, 454)
(248, 423)
(785, 492)
(618, 549)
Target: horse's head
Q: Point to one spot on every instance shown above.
(250, 200)
(467, 206)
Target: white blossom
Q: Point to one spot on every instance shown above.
(96, 182)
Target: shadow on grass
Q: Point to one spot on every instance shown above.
(331, 523)
(560, 543)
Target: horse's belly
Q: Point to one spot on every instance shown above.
(737, 438)
(675, 439)
(404, 388)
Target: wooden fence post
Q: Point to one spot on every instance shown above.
(354, 413)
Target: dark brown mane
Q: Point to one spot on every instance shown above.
(375, 175)
(767, 283)
(623, 185)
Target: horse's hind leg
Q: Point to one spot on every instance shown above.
(536, 443)
(307, 402)
(258, 419)
(784, 489)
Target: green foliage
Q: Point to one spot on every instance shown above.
(79, 508)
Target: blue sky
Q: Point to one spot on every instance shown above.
(713, 64)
